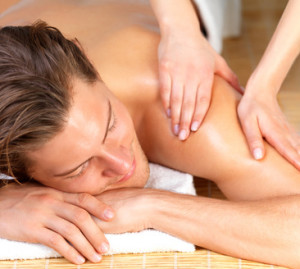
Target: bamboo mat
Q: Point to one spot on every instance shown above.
(199, 259)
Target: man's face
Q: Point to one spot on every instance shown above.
(97, 150)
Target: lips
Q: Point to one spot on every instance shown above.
(130, 173)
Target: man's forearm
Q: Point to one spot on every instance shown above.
(266, 230)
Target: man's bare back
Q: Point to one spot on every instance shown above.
(121, 41)
(122, 44)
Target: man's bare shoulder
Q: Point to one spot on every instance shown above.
(205, 147)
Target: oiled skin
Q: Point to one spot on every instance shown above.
(121, 40)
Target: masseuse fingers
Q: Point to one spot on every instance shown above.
(286, 149)
(285, 140)
(188, 107)
(176, 103)
(59, 244)
(254, 137)
(91, 204)
(72, 234)
(224, 71)
(165, 89)
(86, 224)
(296, 141)
(203, 99)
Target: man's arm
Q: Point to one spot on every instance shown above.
(265, 230)
(39, 214)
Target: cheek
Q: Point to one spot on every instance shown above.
(90, 182)
(125, 122)
(78, 186)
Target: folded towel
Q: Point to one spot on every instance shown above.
(140, 242)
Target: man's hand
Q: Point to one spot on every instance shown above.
(260, 117)
(33, 213)
(187, 64)
(132, 208)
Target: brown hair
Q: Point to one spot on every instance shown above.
(37, 64)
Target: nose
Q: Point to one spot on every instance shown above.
(117, 161)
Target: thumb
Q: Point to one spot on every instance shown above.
(224, 71)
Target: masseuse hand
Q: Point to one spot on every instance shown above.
(187, 65)
(33, 213)
(261, 117)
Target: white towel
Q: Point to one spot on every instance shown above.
(140, 242)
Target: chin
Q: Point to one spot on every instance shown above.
(140, 176)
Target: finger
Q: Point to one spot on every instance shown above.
(224, 71)
(284, 144)
(72, 234)
(203, 99)
(83, 220)
(294, 137)
(176, 103)
(254, 137)
(59, 244)
(286, 149)
(188, 108)
(91, 204)
(297, 145)
(165, 89)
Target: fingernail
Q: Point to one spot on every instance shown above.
(176, 129)
(104, 247)
(80, 259)
(257, 153)
(195, 126)
(97, 257)
(169, 113)
(108, 214)
(182, 135)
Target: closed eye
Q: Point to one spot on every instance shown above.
(80, 170)
(113, 124)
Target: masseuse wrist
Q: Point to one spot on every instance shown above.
(264, 87)
(169, 26)
(194, 37)
(179, 21)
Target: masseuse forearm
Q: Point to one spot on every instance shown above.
(281, 51)
(173, 18)
(266, 230)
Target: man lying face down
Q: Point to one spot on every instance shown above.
(63, 128)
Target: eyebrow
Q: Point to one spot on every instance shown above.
(106, 131)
